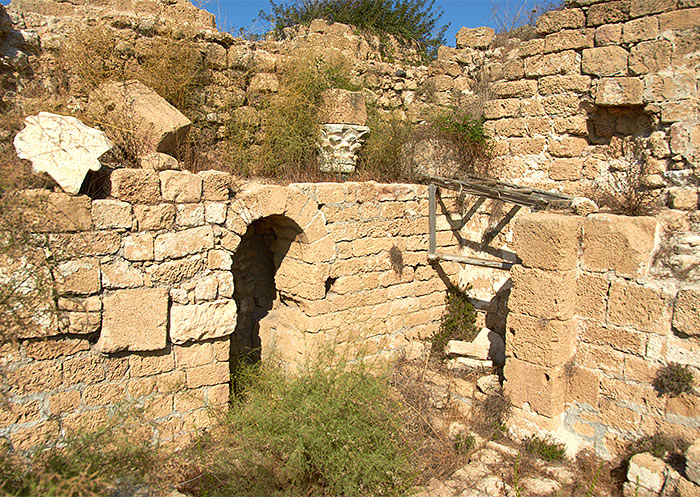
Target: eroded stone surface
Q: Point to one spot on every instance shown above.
(202, 321)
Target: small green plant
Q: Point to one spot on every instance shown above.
(458, 321)
(673, 380)
(407, 20)
(461, 125)
(544, 448)
(516, 477)
(464, 443)
(594, 481)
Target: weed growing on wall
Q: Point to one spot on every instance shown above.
(458, 321)
(673, 380)
(407, 20)
(544, 448)
(326, 431)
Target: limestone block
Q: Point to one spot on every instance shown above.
(155, 217)
(570, 39)
(547, 241)
(220, 259)
(135, 185)
(202, 321)
(265, 200)
(591, 296)
(215, 212)
(158, 161)
(683, 198)
(206, 288)
(692, 462)
(605, 61)
(507, 107)
(554, 63)
(650, 56)
(342, 107)
(134, 320)
(514, 89)
(567, 146)
(583, 385)
(645, 28)
(686, 313)
(645, 7)
(303, 280)
(568, 169)
(608, 12)
(545, 294)
(646, 309)
(189, 215)
(647, 470)
(216, 185)
(181, 186)
(154, 124)
(556, 20)
(109, 214)
(619, 243)
(544, 389)
(120, 274)
(182, 243)
(608, 34)
(475, 38)
(545, 342)
(61, 146)
(680, 19)
(486, 346)
(46, 211)
(79, 276)
(550, 85)
(619, 91)
(263, 83)
(138, 247)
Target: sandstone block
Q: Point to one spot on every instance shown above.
(181, 186)
(25, 439)
(135, 185)
(160, 162)
(681, 110)
(544, 294)
(475, 38)
(526, 146)
(605, 61)
(514, 89)
(583, 385)
(182, 243)
(120, 274)
(51, 349)
(686, 313)
(154, 217)
(156, 125)
(486, 346)
(644, 308)
(556, 20)
(565, 169)
(263, 83)
(608, 34)
(640, 8)
(550, 85)
(220, 259)
(619, 243)
(680, 19)
(342, 107)
(647, 470)
(189, 215)
(110, 214)
(646, 28)
(567, 146)
(619, 91)
(543, 388)
(650, 56)
(683, 198)
(212, 374)
(570, 39)
(591, 296)
(544, 342)
(176, 271)
(193, 355)
(303, 280)
(202, 321)
(554, 63)
(134, 320)
(692, 462)
(215, 212)
(138, 247)
(79, 276)
(547, 241)
(216, 185)
(608, 12)
(47, 211)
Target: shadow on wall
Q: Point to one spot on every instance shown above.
(255, 263)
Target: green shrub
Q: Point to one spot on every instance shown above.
(380, 157)
(458, 321)
(325, 431)
(464, 443)
(673, 380)
(407, 20)
(544, 448)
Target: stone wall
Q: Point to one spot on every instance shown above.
(150, 284)
(588, 329)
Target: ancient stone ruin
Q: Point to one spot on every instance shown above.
(169, 276)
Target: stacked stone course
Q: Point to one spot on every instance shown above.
(588, 329)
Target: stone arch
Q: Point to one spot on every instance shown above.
(288, 232)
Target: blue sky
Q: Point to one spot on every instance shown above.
(234, 14)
